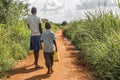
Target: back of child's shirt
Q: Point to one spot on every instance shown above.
(48, 37)
(33, 22)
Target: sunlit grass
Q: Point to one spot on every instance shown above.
(98, 39)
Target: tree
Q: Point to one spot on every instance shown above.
(11, 11)
(64, 23)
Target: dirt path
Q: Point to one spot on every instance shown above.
(65, 69)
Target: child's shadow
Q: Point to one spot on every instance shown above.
(39, 77)
(23, 70)
(26, 69)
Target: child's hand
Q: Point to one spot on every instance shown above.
(41, 40)
(56, 49)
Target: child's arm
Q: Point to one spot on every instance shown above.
(55, 45)
(40, 28)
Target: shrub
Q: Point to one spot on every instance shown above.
(98, 38)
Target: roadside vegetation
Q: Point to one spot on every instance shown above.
(14, 35)
(98, 39)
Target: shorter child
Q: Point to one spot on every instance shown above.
(48, 37)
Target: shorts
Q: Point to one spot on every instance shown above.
(35, 42)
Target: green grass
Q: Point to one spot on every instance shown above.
(14, 42)
(98, 39)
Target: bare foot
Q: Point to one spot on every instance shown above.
(52, 70)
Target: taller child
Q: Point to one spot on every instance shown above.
(34, 24)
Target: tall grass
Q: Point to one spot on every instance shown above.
(14, 42)
(14, 35)
(98, 38)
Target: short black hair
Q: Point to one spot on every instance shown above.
(47, 25)
(33, 10)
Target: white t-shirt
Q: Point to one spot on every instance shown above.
(33, 22)
(48, 37)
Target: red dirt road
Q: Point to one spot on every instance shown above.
(65, 69)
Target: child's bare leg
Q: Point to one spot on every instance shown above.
(36, 56)
(51, 57)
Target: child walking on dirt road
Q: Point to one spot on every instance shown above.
(48, 38)
(34, 24)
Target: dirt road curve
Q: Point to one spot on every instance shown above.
(65, 69)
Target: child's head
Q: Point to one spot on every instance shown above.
(33, 10)
(47, 25)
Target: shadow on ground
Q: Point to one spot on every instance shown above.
(39, 77)
(25, 69)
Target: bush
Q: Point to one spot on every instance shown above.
(14, 42)
(98, 38)
(64, 23)
(14, 35)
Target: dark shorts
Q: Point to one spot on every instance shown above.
(48, 59)
(35, 42)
